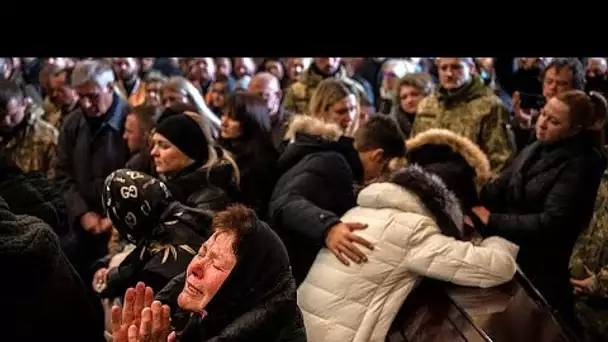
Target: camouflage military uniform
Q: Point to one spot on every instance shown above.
(34, 148)
(298, 95)
(52, 114)
(472, 111)
(591, 251)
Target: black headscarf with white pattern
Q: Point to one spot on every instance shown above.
(135, 201)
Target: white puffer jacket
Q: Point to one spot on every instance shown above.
(359, 302)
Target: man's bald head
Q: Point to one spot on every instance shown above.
(266, 85)
(596, 66)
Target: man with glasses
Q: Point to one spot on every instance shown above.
(29, 141)
(90, 148)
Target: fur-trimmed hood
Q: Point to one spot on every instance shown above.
(414, 190)
(307, 135)
(471, 153)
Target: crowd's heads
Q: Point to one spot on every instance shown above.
(245, 116)
(220, 89)
(454, 72)
(563, 74)
(55, 80)
(12, 106)
(328, 65)
(393, 70)
(381, 146)
(93, 81)
(138, 126)
(296, 66)
(569, 113)
(134, 201)
(267, 86)
(596, 67)
(126, 68)
(411, 89)
(179, 90)
(146, 64)
(274, 66)
(334, 101)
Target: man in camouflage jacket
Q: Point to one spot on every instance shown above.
(28, 140)
(464, 105)
(297, 96)
(589, 270)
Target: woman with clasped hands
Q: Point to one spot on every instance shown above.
(238, 288)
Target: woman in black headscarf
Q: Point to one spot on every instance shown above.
(238, 288)
(144, 212)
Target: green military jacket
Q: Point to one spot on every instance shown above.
(297, 96)
(591, 249)
(474, 112)
(34, 148)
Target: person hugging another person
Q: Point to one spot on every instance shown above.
(320, 169)
(415, 223)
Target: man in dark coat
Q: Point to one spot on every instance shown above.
(42, 296)
(90, 148)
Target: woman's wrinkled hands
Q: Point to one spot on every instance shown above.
(142, 319)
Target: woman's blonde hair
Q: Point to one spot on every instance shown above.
(214, 157)
(327, 93)
(181, 85)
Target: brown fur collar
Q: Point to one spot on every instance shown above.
(310, 125)
(474, 156)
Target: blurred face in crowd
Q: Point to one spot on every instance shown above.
(328, 65)
(200, 69)
(343, 111)
(223, 66)
(389, 79)
(409, 97)
(527, 62)
(243, 66)
(94, 100)
(207, 271)
(295, 66)
(146, 63)
(153, 93)
(557, 81)
(61, 94)
(553, 123)
(171, 97)
(267, 87)
(231, 128)
(126, 69)
(62, 62)
(134, 134)
(167, 157)
(453, 72)
(12, 115)
(596, 67)
(352, 64)
(275, 68)
(219, 91)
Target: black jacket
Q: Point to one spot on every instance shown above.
(257, 166)
(542, 202)
(209, 189)
(318, 170)
(41, 292)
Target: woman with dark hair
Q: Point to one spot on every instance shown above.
(246, 134)
(199, 173)
(320, 170)
(544, 200)
(239, 287)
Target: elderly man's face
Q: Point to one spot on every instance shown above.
(208, 271)
(94, 100)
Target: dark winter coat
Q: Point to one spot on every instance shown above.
(319, 168)
(43, 297)
(542, 202)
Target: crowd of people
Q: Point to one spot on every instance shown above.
(294, 199)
